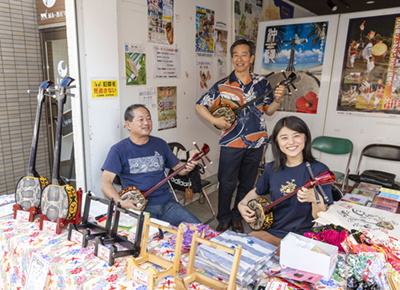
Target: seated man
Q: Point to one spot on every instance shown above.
(140, 161)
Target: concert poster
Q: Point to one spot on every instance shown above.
(204, 29)
(299, 48)
(370, 79)
(166, 106)
(160, 19)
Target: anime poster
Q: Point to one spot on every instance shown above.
(166, 99)
(204, 30)
(205, 78)
(160, 19)
(370, 80)
(298, 48)
(135, 65)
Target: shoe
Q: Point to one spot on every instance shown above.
(237, 226)
(222, 227)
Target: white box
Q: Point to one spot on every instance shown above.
(303, 259)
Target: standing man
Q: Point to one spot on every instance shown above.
(242, 143)
(140, 161)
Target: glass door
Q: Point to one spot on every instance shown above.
(56, 68)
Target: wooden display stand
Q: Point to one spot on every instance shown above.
(132, 249)
(192, 275)
(56, 226)
(149, 276)
(25, 215)
(83, 237)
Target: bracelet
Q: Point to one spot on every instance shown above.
(277, 101)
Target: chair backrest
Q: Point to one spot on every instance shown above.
(332, 145)
(335, 146)
(380, 151)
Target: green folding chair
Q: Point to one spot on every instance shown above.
(336, 146)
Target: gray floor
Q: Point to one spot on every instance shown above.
(201, 209)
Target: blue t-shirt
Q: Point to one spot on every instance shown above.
(290, 215)
(142, 166)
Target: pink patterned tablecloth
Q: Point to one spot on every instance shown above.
(75, 267)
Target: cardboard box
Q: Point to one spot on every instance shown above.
(303, 259)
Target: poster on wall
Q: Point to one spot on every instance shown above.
(167, 62)
(299, 48)
(166, 100)
(276, 9)
(205, 76)
(135, 64)
(370, 79)
(221, 49)
(247, 17)
(148, 96)
(204, 29)
(160, 19)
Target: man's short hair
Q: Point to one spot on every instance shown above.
(250, 44)
(129, 111)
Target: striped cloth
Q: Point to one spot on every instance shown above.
(257, 256)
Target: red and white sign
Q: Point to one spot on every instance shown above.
(103, 252)
(140, 276)
(22, 215)
(49, 226)
(76, 237)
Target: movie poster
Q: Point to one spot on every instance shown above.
(370, 80)
(166, 99)
(160, 19)
(204, 30)
(298, 48)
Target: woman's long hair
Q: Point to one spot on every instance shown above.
(295, 124)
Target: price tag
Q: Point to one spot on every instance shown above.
(49, 226)
(37, 274)
(77, 237)
(103, 252)
(23, 215)
(140, 276)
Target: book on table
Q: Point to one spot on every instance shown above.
(365, 192)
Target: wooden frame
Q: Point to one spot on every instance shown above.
(192, 275)
(149, 276)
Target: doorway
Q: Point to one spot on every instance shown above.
(55, 67)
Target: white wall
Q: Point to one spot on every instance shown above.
(95, 57)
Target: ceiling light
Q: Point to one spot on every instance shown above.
(370, 2)
(332, 6)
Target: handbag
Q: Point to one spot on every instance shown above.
(378, 177)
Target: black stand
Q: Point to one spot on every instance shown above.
(133, 249)
(87, 226)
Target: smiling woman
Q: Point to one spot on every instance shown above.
(291, 148)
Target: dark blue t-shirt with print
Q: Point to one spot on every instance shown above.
(142, 166)
(290, 215)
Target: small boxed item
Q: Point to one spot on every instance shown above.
(355, 198)
(298, 257)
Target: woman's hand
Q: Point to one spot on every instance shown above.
(247, 214)
(306, 195)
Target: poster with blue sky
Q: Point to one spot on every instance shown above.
(297, 48)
